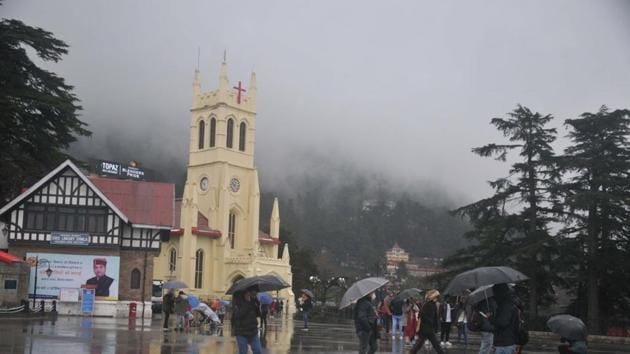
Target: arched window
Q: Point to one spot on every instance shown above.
(199, 269)
(232, 229)
(172, 260)
(241, 136)
(229, 139)
(135, 279)
(213, 131)
(237, 278)
(202, 133)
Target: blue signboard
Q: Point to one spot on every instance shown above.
(69, 238)
(87, 301)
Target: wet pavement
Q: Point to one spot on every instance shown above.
(69, 335)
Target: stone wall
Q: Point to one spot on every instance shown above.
(19, 272)
(130, 260)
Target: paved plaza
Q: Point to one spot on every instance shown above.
(69, 335)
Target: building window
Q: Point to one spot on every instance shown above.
(232, 229)
(44, 217)
(10, 284)
(229, 139)
(135, 279)
(213, 131)
(172, 260)
(242, 134)
(199, 269)
(202, 133)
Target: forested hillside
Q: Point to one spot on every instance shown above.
(347, 220)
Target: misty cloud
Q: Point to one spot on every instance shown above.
(402, 90)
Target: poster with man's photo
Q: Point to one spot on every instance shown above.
(56, 271)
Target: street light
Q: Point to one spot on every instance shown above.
(47, 271)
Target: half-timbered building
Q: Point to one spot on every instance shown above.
(72, 223)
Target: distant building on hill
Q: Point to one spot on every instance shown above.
(416, 267)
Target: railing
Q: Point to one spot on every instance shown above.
(40, 307)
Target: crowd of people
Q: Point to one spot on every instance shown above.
(416, 321)
(182, 307)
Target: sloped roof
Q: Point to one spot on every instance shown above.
(144, 203)
(66, 164)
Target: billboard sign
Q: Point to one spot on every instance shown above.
(69, 238)
(56, 271)
(119, 170)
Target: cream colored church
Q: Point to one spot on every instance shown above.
(217, 239)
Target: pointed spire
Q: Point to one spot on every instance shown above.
(224, 83)
(252, 87)
(285, 253)
(275, 220)
(196, 84)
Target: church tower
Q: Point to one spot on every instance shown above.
(218, 239)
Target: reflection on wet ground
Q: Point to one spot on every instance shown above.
(69, 335)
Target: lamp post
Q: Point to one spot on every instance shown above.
(48, 273)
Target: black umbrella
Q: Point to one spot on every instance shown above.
(308, 293)
(569, 327)
(482, 293)
(263, 282)
(411, 292)
(483, 276)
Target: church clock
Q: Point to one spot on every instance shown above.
(235, 184)
(203, 184)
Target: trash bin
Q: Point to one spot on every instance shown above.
(132, 309)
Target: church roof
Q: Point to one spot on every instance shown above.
(146, 204)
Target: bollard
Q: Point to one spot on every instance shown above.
(25, 304)
(43, 303)
(54, 306)
(132, 309)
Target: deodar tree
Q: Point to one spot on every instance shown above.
(511, 227)
(595, 204)
(38, 111)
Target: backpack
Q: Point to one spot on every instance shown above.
(522, 335)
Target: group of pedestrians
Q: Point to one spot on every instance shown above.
(403, 316)
(500, 321)
(180, 305)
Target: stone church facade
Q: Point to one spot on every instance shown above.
(217, 239)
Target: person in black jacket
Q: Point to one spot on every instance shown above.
(365, 324)
(245, 312)
(429, 323)
(505, 321)
(168, 306)
(306, 305)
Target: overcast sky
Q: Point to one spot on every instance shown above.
(402, 87)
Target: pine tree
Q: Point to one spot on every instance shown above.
(38, 111)
(511, 227)
(596, 201)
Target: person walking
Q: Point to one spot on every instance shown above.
(387, 318)
(446, 318)
(305, 307)
(505, 321)
(481, 313)
(264, 312)
(168, 306)
(411, 322)
(245, 314)
(181, 306)
(365, 324)
(429, 322)
(396, 308)
(462, 321)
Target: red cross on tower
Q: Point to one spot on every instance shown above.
(239, 89)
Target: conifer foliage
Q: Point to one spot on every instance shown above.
(38, 111)
(563, 220)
